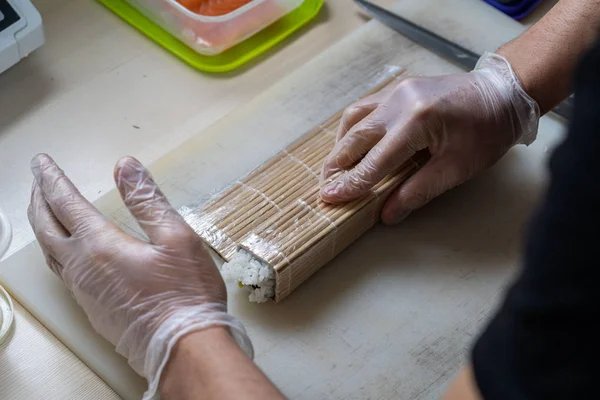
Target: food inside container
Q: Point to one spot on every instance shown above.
(213, 8)
(212, 26)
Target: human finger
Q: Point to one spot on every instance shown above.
(70, 208)
(48, 231)
(355, 112)
(393, 150)
(436, 177)
(354, 145)
(146, 202)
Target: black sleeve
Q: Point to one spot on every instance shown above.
(544, 342)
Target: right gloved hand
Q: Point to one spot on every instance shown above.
(141, 296)
(467, 122)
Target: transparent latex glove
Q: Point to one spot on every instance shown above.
(142, 296)
(466, 121)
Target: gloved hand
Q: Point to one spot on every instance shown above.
(141, 296)
(467, 122)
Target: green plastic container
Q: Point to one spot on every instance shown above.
(147, 22)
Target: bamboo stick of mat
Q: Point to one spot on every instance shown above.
(272, 189)
(264, 170)
(275, 212)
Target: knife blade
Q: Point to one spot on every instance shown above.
(443, 47)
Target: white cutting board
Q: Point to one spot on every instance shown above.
(391, 316)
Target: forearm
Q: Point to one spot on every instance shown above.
(463, 387)
(545, 57)
(208, 364)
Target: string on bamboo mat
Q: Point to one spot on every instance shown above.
(271, 226)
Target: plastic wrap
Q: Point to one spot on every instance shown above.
(6, 304)
(275, 215)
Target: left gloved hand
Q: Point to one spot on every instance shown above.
(142, 296)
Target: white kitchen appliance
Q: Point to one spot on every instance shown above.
(20, 31)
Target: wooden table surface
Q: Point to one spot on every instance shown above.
(98, 90)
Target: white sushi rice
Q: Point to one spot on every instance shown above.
(255, 275)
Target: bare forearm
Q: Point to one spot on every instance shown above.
(209, 365)
(545, 57)
(463, 387)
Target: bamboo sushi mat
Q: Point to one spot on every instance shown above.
(275, 212)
